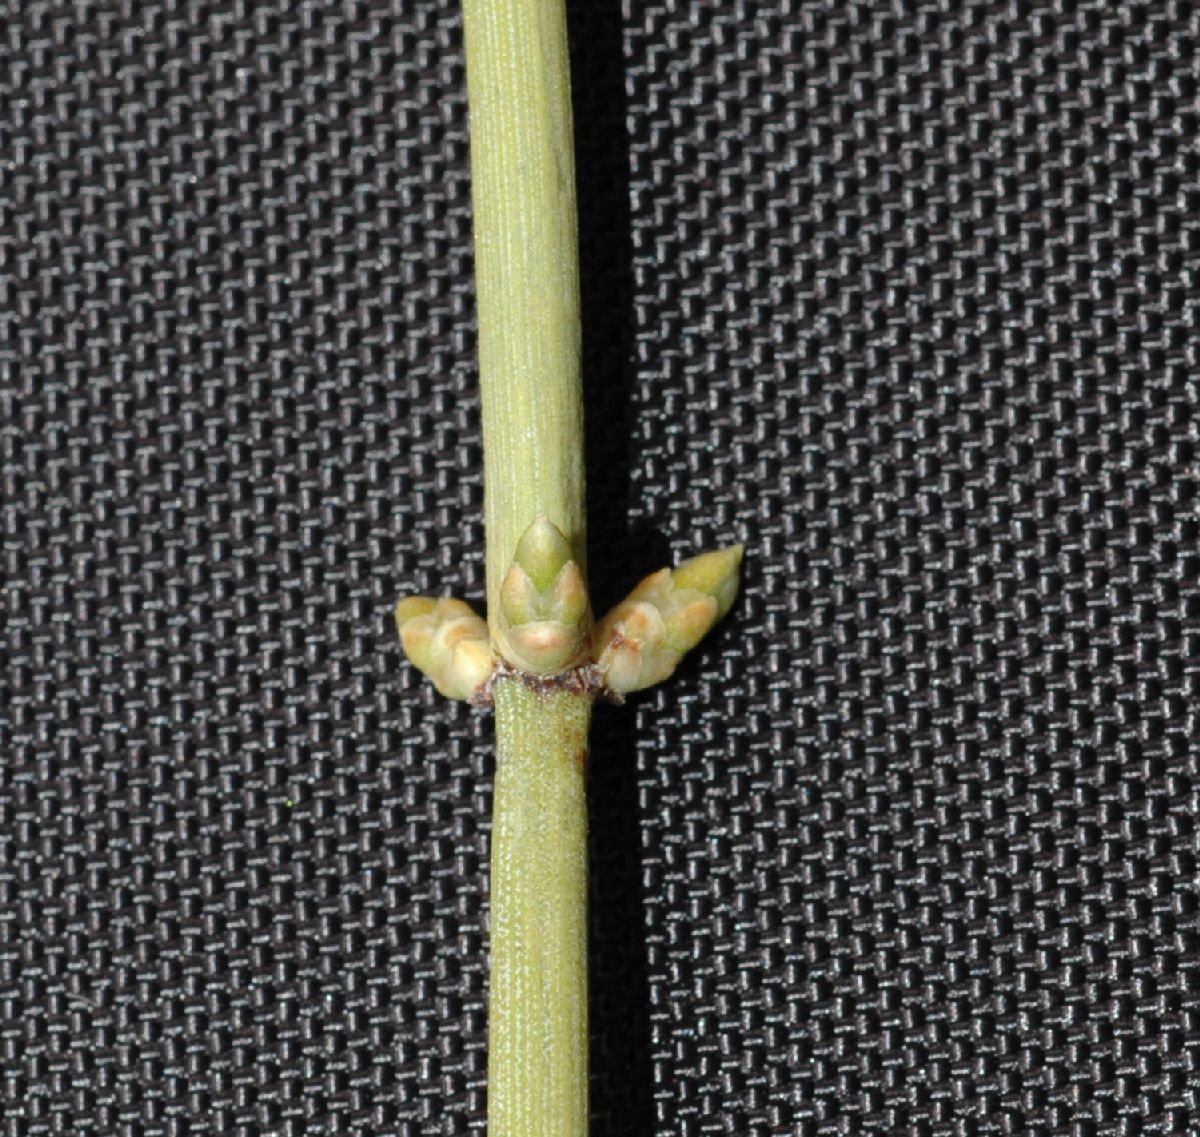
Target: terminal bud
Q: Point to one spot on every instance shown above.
(543, 622)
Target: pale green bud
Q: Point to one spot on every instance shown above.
(520, 600)
(567, 600)
(632, 647)
(688, 615)
(714, 573)
(542, 551)
(543, 619)
(641, 641)
(446, 640)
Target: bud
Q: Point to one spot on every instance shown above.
(447, 641)
(641, 641)
(714, 573)
(543, 618)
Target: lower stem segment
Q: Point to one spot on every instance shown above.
(537, 1028)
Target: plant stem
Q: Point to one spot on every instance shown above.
(538, 657)
(537, 1058)
(527, 273)
(526, 263)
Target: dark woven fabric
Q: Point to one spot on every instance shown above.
(903, 295)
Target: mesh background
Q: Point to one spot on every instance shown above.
(902, 294)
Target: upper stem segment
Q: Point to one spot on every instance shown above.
(527, 275)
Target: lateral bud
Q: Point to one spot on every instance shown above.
(447, 641)
(543, 618)
(641, 641)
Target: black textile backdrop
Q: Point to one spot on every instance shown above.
(903, 295)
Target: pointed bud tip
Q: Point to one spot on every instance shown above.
(714, 573)
(542, 551)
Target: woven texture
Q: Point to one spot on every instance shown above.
(903, 295)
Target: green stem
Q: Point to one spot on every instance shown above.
(526, 272)
(526, 263)
(537, 1058)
